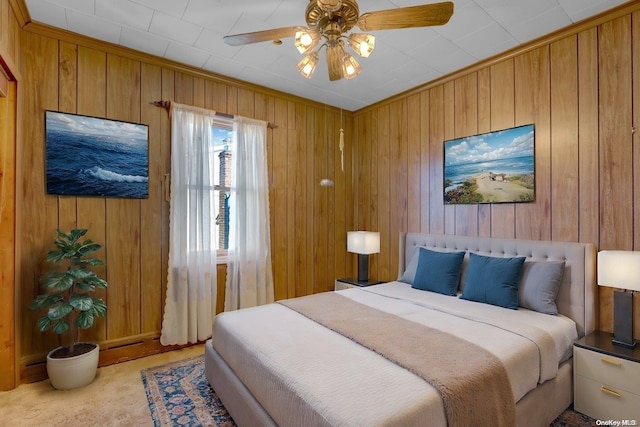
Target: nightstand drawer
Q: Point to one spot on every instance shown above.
(602, 401)
(621, 373)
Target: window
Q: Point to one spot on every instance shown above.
(223, 162)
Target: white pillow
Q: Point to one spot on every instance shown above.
(410, 272)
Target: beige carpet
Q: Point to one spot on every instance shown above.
(115, 398)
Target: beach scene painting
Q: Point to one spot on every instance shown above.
(493, 167)
(89, 156)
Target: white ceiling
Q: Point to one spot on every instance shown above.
(191, 31)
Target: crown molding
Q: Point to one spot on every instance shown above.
(21, 11)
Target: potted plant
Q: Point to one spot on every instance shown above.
(66, 297)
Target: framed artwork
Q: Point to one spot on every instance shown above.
(492, 167)
(90, 156)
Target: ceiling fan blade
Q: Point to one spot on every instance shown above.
(334, 62)
(261, 36)
(407, 17)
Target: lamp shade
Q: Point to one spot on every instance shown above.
(308, 64)
(363, 242)
(619, 269)
(362, 44)
(350, 67)
(306, 40)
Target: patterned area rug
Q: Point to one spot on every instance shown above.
(180, 395)
(570, 418)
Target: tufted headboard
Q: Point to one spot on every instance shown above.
(576, 298)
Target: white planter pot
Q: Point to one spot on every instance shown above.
(72, 372)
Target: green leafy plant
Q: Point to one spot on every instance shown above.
(67, 286)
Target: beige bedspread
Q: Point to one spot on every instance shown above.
(473, 382)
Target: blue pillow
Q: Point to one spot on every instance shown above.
(438, 271)
(493, 280)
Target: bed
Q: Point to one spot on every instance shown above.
(279, 365)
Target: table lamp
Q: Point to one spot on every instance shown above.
(621, 269)
(363, 243)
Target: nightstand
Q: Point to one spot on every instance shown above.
(606, 379)
(351, 283)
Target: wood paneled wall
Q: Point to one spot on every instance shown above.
(308, 222)
(10, 52)
(578, 88)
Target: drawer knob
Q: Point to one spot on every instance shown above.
(611, 362)
(607, 390)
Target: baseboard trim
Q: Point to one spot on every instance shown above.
(37, 371)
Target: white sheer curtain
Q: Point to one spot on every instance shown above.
(191, 290)
(249, 276)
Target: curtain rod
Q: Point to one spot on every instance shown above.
(167, 104)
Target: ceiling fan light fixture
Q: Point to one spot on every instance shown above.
(308, 65)
(362, 44)
(350, 67)
(331, 22)
(305, 41)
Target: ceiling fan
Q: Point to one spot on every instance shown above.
(329, 21)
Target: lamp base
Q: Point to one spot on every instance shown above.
(623, 319)
(363, 267)
(624, 344)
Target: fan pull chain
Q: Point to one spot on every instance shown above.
(342, 149)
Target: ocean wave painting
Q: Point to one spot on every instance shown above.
(89, 156)
(493, 167)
